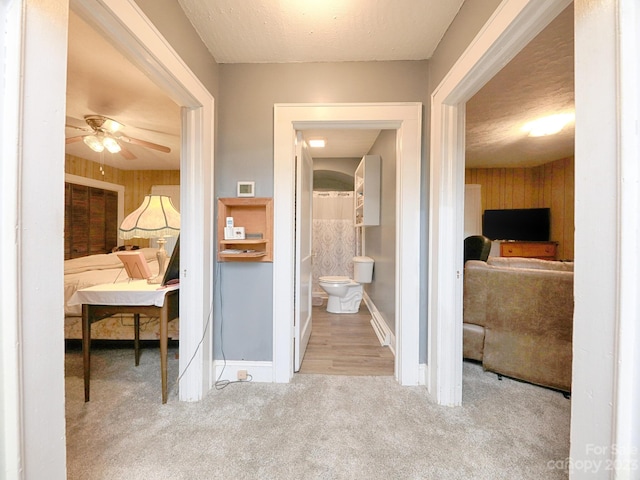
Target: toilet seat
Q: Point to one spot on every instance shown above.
(336, 280)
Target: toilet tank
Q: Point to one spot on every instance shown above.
(362, 269)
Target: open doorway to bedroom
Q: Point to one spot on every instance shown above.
(110, 100)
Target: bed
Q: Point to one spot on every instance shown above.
(106, 268)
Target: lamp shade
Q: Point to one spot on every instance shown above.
(156, 217)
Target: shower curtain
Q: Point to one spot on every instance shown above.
(333, 235)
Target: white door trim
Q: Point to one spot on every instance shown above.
(511, 27)
(135, 36)
(406, 118)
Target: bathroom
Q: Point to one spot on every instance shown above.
(336, 240)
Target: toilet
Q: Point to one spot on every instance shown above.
(344, 293)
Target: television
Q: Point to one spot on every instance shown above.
(524, 224)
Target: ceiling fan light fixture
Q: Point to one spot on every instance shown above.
(93, 143)
(111, 144)
(111, 125)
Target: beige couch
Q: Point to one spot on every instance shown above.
(518, 318)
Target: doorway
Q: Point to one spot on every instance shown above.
(346, 343)
(477, 65)
(406, 119)
(128, 29)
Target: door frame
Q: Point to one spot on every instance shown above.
(406, 119)
(512, 26)
(302, 326)
(133, 34)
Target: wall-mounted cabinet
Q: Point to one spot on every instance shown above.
(256, 216)
(367, 191)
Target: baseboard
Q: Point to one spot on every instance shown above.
(423, 373)
(261, 372)
(380, 327)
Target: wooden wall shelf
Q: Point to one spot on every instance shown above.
(256, 216)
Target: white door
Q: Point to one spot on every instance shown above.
(304, 222)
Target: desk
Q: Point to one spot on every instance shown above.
(136, 297)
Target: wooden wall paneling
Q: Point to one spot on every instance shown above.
(557, 199)
(494, 175)
(518, 188)
(508, 187)
(569, 210)
(551, 185)
(469, 176)
(481, 178)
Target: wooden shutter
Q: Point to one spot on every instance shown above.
(91, 216)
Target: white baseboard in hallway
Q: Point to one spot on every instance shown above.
(228, 370)
(383, 332)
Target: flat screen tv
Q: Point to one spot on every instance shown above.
(525, 224)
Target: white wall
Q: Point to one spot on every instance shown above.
(605, 426)
(32, 240)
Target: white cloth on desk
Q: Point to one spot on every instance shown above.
(133, 293)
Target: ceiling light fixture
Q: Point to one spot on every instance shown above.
(99, 142)
(111, 144)
(549, 125)
(317, 143)
(93, 143)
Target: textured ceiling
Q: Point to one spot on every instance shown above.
(267, 31)
(538, 81)
(101, 81)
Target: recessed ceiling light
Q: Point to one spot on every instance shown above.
(548, 125)
(317, 143)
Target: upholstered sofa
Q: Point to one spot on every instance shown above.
(518, 318)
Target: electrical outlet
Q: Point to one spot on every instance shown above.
(242, 374)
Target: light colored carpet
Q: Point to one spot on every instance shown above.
(317, 427)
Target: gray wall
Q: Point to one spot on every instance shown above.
(245, 95)
(245, 152)
(169, 18)
(380, 241)
(334, 174)
(469, 20)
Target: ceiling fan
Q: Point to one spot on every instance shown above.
(105, 134)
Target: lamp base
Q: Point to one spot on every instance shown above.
(161, 255)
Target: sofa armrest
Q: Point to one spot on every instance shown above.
(475, 291)
(528, 332)
(473, 344)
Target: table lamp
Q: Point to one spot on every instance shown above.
(155, 218)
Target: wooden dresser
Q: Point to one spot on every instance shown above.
(543, 250)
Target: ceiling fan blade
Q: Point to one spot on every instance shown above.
(84, 129)
(127, 154)
(73, 139)
(143, 143)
